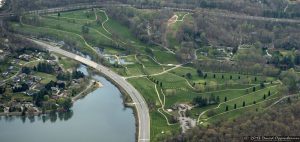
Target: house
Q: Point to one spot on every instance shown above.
(10, 68)
(36, 78)
(17, 79)
(25, 57)
(22, 75)
(4, 74)
(61, 43)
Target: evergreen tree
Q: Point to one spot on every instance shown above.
(205, 76)
(200, 73)
(262, 85)
(226, 108)
(234, 106)
(244, 103)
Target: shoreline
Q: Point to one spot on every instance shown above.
(81, 95)
(127, 103)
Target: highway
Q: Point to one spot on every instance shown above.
(138, 100)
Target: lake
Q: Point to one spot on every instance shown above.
(99, 117)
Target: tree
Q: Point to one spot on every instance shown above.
(45, 68)
(222, 76)
(46, 97)
(58, 14)
(230, 77)
(262, 85)
(234, 50)
(67, 104)
(26, 70)
(244, 103)
(289, 100)
(160, 84)
(218, 99)
(200, 101)
(297, 58)
(269, 93)
(225, 99)
(205, 76)
(255, 79)
(200, 73)
(214, 75)
(290, 79)
(77, 74)
(234, 106)
(226, 108)
(64, 76)
(264, 96)
(189, 75)
(254, 102)
(253, 89)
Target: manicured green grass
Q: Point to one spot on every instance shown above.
(159, 128)
(147, 61)
(165, 57)
(93, 37)
(77, 40)
(46, 78)
(248, 79)
(78, 14)
(133, 70)
(67, 63)
(114, 26)
(146, 88)
(253, 108)
(248, 98)
(21, 97)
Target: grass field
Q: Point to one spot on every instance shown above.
(177, 90)
(46, 78)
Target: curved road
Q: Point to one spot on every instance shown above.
(138, 100)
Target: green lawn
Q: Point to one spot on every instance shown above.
(46, 78)
(78, 14)
(165, 57)
(67, 63)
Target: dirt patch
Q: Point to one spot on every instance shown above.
(173, 20)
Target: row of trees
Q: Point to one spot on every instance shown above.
(44, 67)
(203, 101)
(68, 76)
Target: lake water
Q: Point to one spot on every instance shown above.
(99, 117)
(1, 3)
